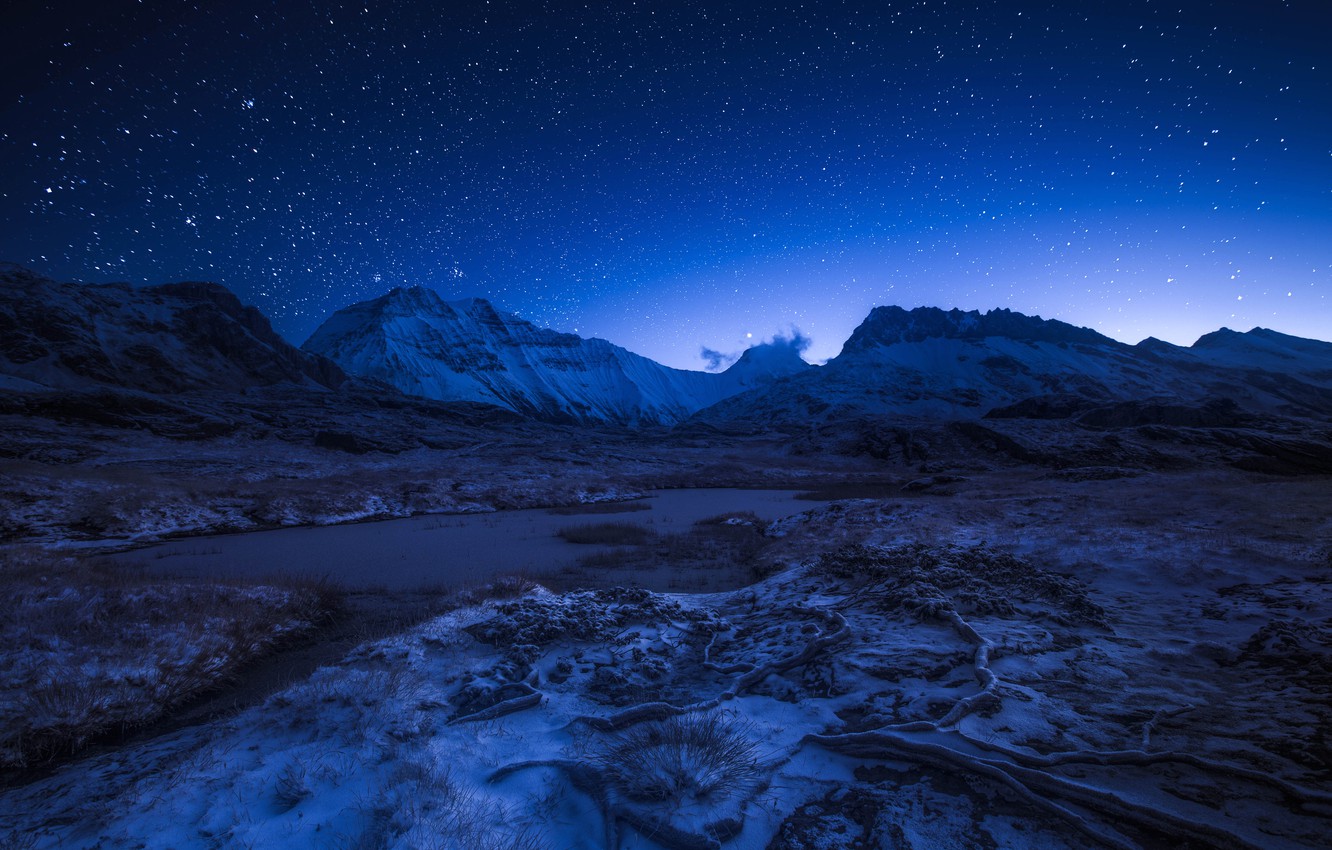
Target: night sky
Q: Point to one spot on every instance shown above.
(673, 175)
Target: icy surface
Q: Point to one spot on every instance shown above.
(1030, 663)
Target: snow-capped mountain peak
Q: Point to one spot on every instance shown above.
(928, 364)
(769, 361)
(891, 325)
(468, 350)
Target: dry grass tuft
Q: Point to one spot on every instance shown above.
(686, 759)
(606, 534)
(89, 648)
(600, 508)
(853, 490)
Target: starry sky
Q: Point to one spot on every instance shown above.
(674, 176)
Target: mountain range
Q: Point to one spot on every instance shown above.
(468, 350)
(925, 364)
(1000, 378)
(929, 364)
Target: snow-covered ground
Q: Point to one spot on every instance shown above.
(1031, 662)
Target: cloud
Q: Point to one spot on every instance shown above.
(716, 361)
(792, 337)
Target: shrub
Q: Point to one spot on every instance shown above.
(291, 787)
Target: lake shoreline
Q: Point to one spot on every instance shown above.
(438, 549)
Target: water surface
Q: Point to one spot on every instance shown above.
(444, 549)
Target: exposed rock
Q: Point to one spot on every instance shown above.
(1042, 407)
(1215, 413)
(119, 409)
(163, 339)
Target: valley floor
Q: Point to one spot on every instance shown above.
(1000, 659)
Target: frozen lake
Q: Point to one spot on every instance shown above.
(442, 549)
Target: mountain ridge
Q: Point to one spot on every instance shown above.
(911, 365)
(890, 324)
(164, 339)
(417, 341)
(928, 364)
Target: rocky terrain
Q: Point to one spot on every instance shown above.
(1031, 661)
(1057, 592)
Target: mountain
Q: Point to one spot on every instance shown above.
(167, 339)
(929, 364)
(887, 326)
(928, 385)
(932, 364)
(409, 370)
(91, 369)
(467, 350)
(1263, 350)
